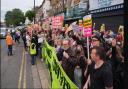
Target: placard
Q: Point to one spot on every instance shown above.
(87, 23)
(57, 22)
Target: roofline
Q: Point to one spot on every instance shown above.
(42, 4)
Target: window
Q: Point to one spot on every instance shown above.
(121, 6)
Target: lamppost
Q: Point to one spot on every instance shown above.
(64, 7)
(34, 11)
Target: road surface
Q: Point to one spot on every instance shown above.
(17, 71)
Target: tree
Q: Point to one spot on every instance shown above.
(30, 14)
(14, 17)
(8, 18)
(18, 16)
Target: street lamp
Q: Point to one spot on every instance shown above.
(64, 7)
(34, 11)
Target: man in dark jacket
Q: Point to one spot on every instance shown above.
(69, 60)
(24, 41)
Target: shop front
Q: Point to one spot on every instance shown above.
(108, 12)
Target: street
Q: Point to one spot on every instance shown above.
(16, 70)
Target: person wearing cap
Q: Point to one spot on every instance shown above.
(95, 41)
(114, 59)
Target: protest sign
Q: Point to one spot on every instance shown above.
(87, 22)
(57, 22)
(75, 28)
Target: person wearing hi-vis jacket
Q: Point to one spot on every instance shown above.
(33, 52)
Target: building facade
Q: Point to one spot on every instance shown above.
(75, 10)
(57, 7)
(108, 12)
(43, 10)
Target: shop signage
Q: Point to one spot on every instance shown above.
(97, 4)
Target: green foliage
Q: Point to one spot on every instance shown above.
(30, 14)
(14, 17)
(9, 18)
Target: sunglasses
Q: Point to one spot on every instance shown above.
(93, 40)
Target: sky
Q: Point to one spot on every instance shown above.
(24, 5)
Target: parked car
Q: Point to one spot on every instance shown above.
(3, 32)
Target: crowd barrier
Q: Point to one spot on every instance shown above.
(59, 79)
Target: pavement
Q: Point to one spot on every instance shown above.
(17, 71)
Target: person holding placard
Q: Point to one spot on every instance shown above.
(100, 73)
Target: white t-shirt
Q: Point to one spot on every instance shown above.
(40, 38)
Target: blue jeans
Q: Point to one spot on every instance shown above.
(40, 52)
(33, 59)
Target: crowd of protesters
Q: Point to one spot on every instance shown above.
(103, 69)
(33, 43)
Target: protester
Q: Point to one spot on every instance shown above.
(68, 60)
(40, 41)
(105, 66)
(59, 49)
(12, 34)
(28, 39)
(17, 36)
(33, 52)
(35, 36)
(100, 73)
(95, 41)
(117, 61)
(80, 67)
(24, 41)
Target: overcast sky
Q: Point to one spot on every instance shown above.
(24, 5)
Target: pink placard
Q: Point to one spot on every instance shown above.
(57, 21)
(87, 28)
(87, 32)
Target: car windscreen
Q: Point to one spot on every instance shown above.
(2, 30)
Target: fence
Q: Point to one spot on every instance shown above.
(59, 79)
